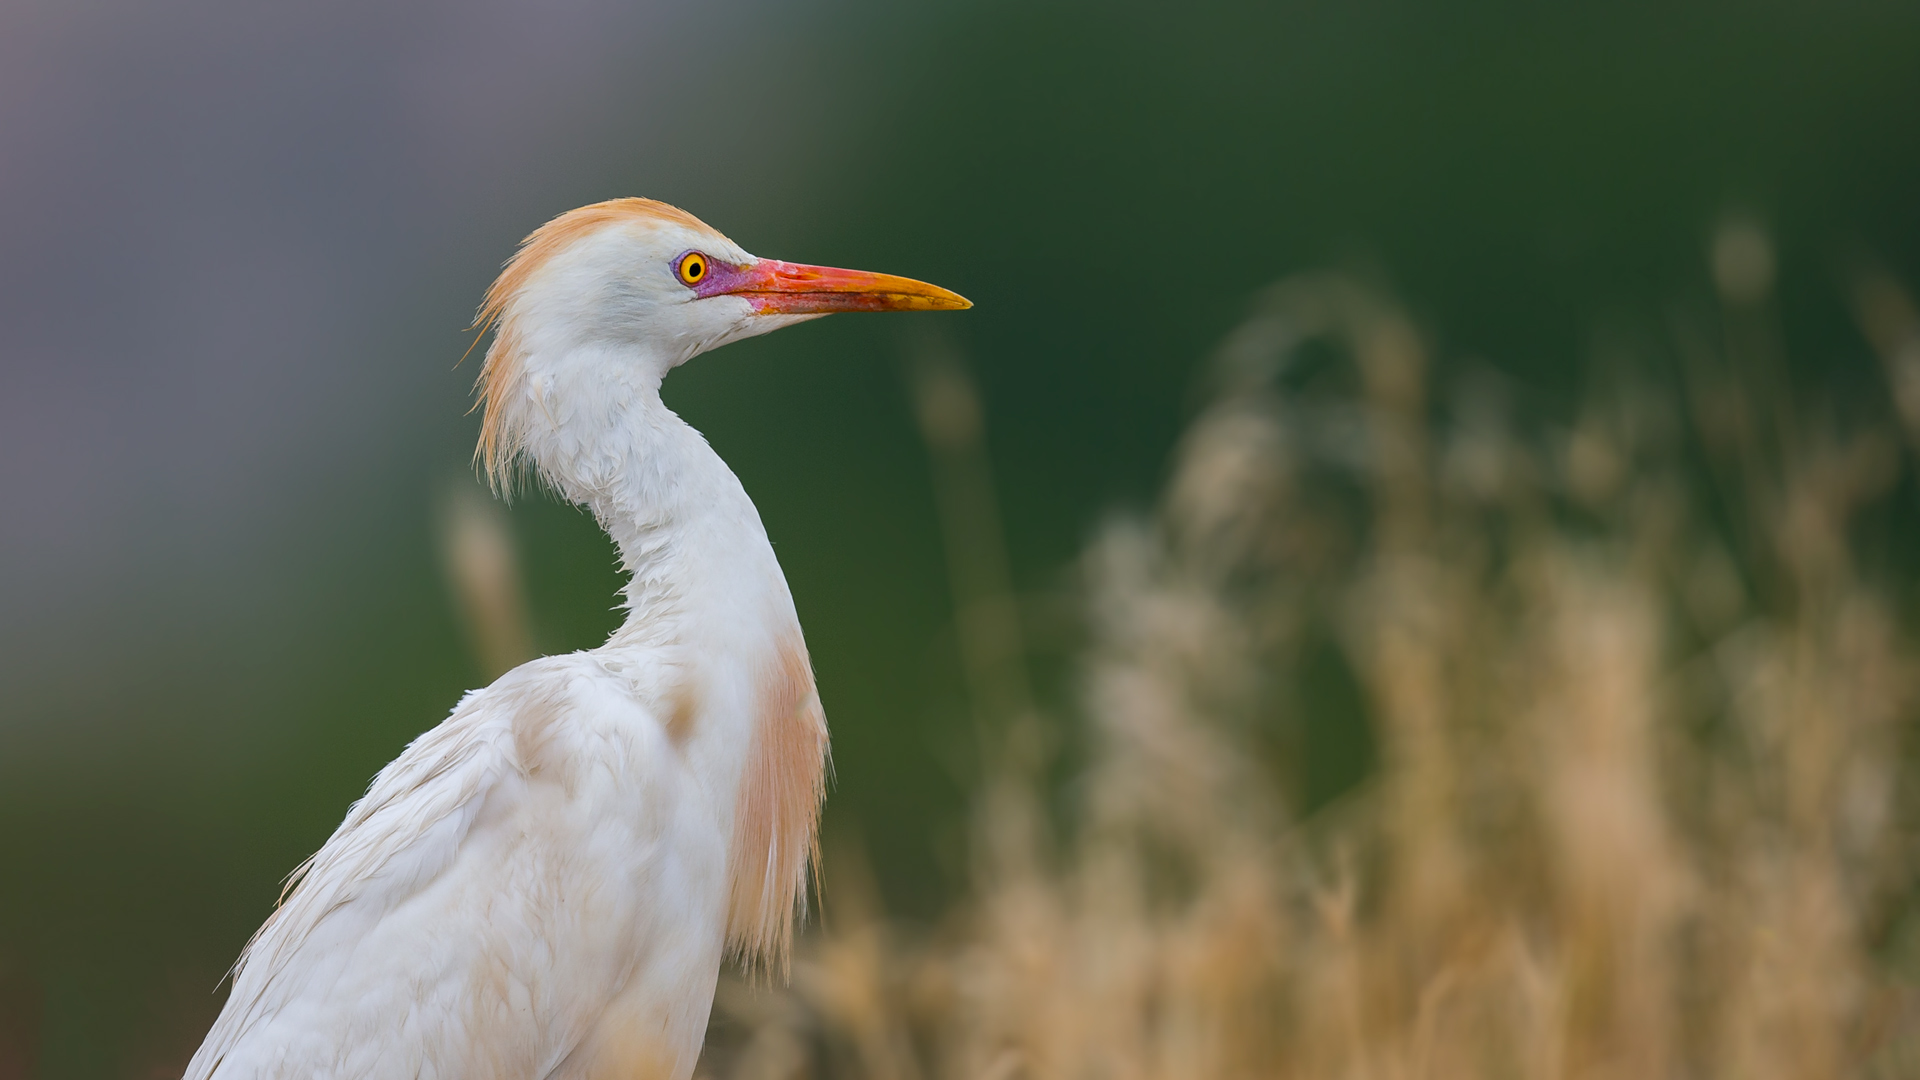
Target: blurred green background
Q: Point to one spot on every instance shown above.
(240, 245)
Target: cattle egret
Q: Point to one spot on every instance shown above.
(546, 884)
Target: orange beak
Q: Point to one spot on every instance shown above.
(783, 288)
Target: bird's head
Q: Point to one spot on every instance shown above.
(612, 296)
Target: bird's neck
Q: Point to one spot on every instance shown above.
(676, 512)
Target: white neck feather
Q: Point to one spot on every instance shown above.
(594, 426)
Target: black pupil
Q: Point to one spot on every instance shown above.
(695, 268)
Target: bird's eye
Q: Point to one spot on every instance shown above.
(693, 267)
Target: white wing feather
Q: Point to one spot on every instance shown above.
(529, 880)
(406, 829)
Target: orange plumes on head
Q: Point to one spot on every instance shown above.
(502, 366)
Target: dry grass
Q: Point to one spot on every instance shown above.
(1640, 717)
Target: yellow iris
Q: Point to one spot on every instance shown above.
(693, 268)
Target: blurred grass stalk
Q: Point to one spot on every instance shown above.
(482, 565)
(1638, 809)
(986, 614)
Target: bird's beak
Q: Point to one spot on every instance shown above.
(783, 288)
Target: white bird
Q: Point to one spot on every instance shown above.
(546, 884)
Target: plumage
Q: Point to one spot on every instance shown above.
(545, 885)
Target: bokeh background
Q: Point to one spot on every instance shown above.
(240, 245)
